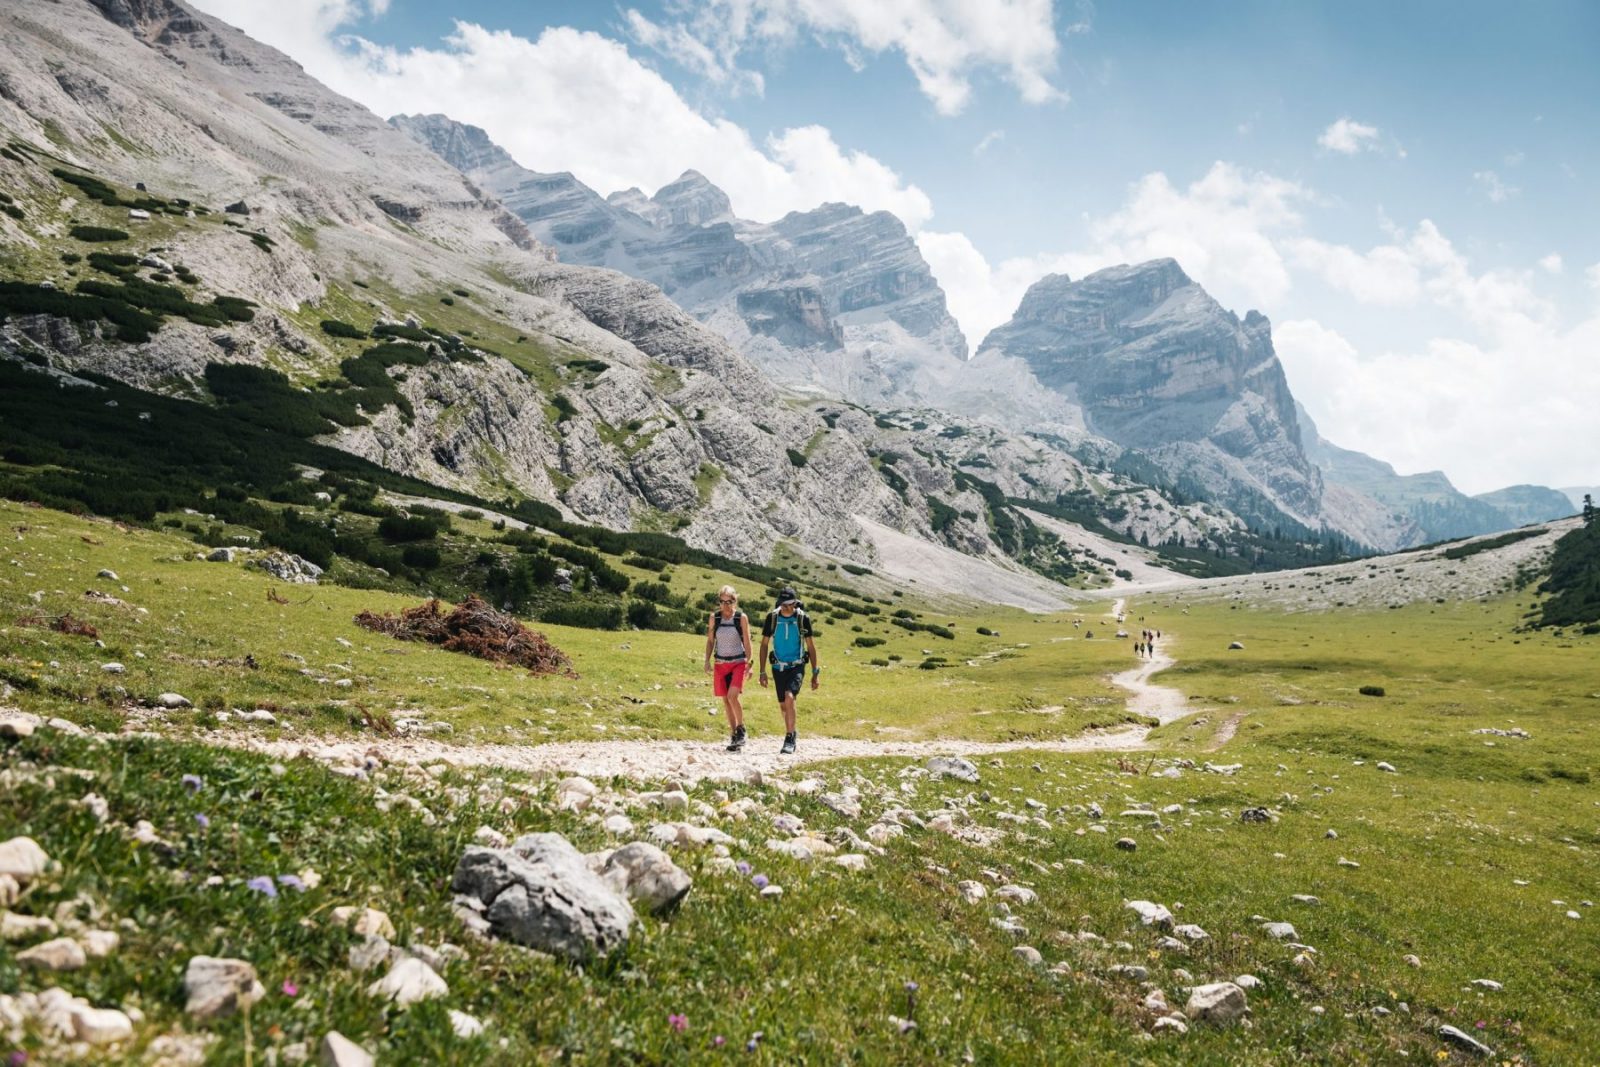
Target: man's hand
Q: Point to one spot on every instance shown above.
(763, 679)
(813, 683)
(708, 666)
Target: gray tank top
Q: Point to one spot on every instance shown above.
(730, 638)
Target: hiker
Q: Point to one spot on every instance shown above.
(787, 630)
(1138, 648)
(728, 641)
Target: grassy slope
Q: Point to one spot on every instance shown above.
(204, 618)
(1440, 845)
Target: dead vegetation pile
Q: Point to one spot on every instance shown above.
(61, 624)
(476, 629)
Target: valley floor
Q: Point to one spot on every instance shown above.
(1378, 821)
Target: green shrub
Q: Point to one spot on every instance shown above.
(585, 616)
(98, 233)
(408, 528)
(857, 569)
(447, 300)
(868, 642)
(335, 328)
(985, 631)
(1372, 691)
(878, 662)
(69, 258)
(422, 557)
(798, 459)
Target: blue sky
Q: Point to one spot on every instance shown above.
(1406, 190)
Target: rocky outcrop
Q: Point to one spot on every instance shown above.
(1155, 364)
(1524, 504)
(878, 331)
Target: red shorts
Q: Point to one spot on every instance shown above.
(725, 676)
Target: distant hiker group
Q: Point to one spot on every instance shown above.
(786, 646)
(1145, 647)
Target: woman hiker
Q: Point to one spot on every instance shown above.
(728, 641)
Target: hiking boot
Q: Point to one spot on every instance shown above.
(788, 745)
(736, 742)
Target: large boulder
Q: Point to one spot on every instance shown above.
(541, 893)
(1219, 1003)
(953, 767)
(217, 986)
(23, 859)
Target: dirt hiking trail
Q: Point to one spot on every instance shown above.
(706, 759)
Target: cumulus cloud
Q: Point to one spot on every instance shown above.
(1349, 137)
(1552, 263)
(1482, 411)
(944, 42)
(577, 101)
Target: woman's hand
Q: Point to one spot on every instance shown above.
(708, 666)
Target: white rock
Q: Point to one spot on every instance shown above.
(218, 986)
(1382, 766)
(98, 944)
(971, 891)
(1219, 1003)
(1488, 983)
(1150, 914)
(1019, 893)
(173, 701)
(1247, 981)
(101, 1026)
(1191, 932)
(489, 837)
(620, 825)
(851, 861)
(646, 876)
(1462, 1040)
(772, 891)
(14, 927)
(1280, 931)
(364, 922)
(61, 954)
(1171, 1024)
(339, 1051)
(464, 1025)
(113, 668)
(407, 982)
(23, 859)
(1028, 954)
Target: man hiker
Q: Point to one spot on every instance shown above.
(728, 640)
(787, 630)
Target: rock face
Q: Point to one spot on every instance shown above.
(1157, 365)
(1524, 504)
(541, 893)
(834, 298)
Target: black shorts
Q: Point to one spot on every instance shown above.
(786, 680)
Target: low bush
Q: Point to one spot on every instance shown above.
(335, 328)
(98, 233)
(1372, 691)
(868, 642)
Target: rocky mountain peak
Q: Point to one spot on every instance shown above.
(149, 19)
(692, 200)
(465, 147)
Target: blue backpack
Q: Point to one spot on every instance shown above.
(787, 646)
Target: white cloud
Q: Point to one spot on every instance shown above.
(981, 296)
(1485, 413)
(713, 64)
(1552, 263)
(987, 140)
(1496, 190)
(944, 42)
(1385, 275)
(1348, 137)
(578, 101)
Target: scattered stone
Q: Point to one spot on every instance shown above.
(1151, 914)
(98, 944)
(1234, 646)
(952, 767)
(364, 922)
(60, 954)
(367, 955)
(971, 891)
(407, 982)
(1170, 1024)
(1172, 944)
(1488, 983)
(113, 668)
(101, 1026)
(647, 876)
(1389, 767)
(1156, 1001)
(1259, 815)
(1127, 844)
(1347, 863)
(14, 927)
(109, 575)
(1306, 898)
(339, 1051)
(489, 837)
(464, 1025)
(847, 806)
(1131, 971)
(287, 567)
(617, 825)
(1247, 981)
(1029, 955)
(1191, 932)
(217, 986)
(15, 727)
(1219, 1003)
(1464, 1041)
(772, 891)
(541, 893)
(173, 701)
(221, 555)
(1280, 931)
(1332, 835)
(1019, 893)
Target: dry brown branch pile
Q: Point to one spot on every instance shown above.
(476, 629)
(61, 624)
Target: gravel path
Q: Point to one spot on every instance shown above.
(702, 759)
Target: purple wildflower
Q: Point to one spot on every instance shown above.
(292, 881)
(17, 1059)
(718, 1041)
(912, 987)
(202, 820)
(755, 1039)
(759, 881)
(262, 884)
(680, 1023)
(290, 989)
(742, 867)
(193, 783)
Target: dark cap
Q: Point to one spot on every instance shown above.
(786, 596)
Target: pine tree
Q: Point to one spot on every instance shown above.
(1588, 509)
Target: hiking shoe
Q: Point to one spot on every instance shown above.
(736, 741)
(788, 745)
